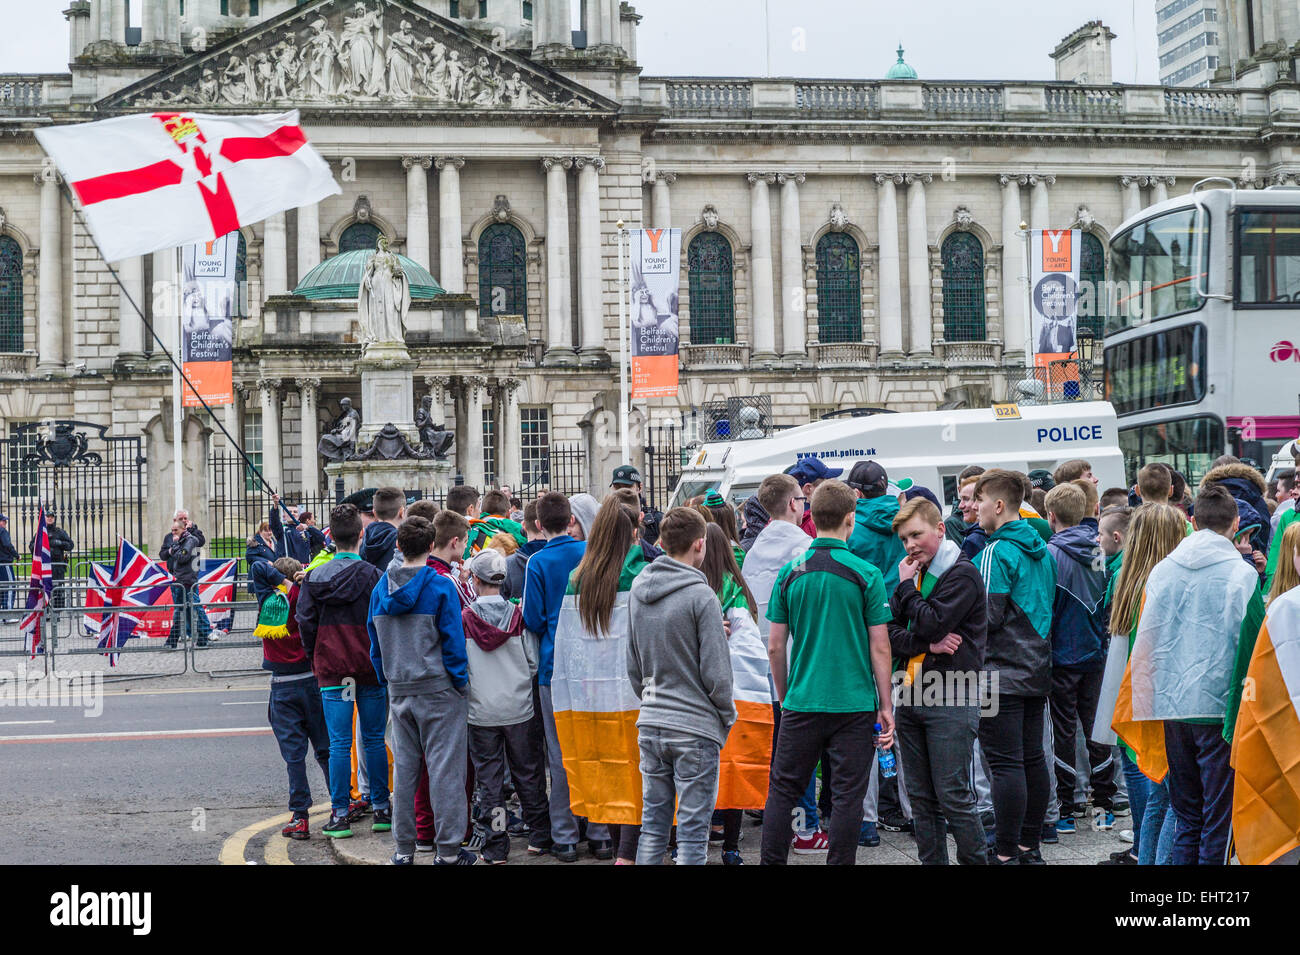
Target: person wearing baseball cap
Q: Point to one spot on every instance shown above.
(8, 554)
(873, 537)
(810, 472)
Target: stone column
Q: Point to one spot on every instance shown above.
(117, 22)
(590, 300)
(762, 314)
(308, 239)
(1160, 187)
(438, 386)
(510, 462)
(235, 414)
(49, 333)
(417, 208)
(793, 307)
(308, 394)
(472, 466)
(661, 215)
(272, 458)
(918, 264)
(153, 22)
(559, 311)
(1014, 328)
(890, 299)
(1132, 189)
(130, 341)
(451, 254)
(1040, 213)
(165, 321)
(275, 257)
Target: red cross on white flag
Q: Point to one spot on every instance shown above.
(160, 180)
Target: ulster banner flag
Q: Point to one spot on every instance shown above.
(160, 180)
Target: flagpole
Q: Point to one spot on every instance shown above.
(178, 411)
(622, 346)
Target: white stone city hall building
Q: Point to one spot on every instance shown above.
(845, 242)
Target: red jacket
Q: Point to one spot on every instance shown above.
(332, 610)
(807, 524)
(285, 655)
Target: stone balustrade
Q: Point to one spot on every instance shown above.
(690, 97)
(969, 353)
(21, 93)
(700, 357)
(842, 353)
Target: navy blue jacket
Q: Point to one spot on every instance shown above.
(292, 541)
(264, 578)
(1079, 615)
(8, 553)
(378, 544)
(975, 540)
(257, 551)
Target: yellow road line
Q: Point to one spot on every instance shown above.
(232, 850)
(277, 846)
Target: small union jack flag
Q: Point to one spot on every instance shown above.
(42, 585)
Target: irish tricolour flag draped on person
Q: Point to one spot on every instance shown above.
(596, 708)
(1189, 631)
(746, 759)
(159, 180)
(1266, 743)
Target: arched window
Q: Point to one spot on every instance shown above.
(11, 295)
(1092, 285)
(839, 289)
(359, 235)
(713, 307)
(963, 288)
(502, 271)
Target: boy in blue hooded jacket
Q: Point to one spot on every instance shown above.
(1079, 645)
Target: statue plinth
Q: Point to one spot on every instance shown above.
(432, 477)
(387, 392)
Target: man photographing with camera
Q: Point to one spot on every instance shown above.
(180, 552)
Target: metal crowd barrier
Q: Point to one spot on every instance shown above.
(71, 635)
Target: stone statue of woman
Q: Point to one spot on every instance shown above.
(383, 298)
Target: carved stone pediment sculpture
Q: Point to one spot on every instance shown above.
(359, 52)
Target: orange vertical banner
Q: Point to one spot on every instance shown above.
(656, 271)
(209, 292)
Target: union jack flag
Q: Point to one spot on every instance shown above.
(217, 586)
(42, 585)
(143, 589)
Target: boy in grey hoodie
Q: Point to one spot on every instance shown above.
(502, 664)
(678, 663)
(417, 647)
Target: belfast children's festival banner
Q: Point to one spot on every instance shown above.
(1054, 278)
(656, 262)
(209, 294)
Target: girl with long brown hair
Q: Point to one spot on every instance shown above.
(1156, 529)
(611, 561)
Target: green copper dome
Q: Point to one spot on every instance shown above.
(900, 70)
(340, 277)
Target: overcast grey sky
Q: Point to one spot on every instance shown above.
(944, 39)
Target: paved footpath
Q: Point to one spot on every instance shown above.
(1086, 847)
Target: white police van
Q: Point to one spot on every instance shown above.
(928, 447)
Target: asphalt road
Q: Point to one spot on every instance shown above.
(162, 774)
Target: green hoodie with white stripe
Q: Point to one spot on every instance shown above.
(1021, 583)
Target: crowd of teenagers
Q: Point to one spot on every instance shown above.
(832, 658)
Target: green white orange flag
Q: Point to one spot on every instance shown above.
(746, 759)
(596, 709)
(1266, 743)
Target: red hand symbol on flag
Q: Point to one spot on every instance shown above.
(189, 138)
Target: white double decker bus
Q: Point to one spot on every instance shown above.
(1202, 340)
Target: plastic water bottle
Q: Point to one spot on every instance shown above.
(888, 767)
